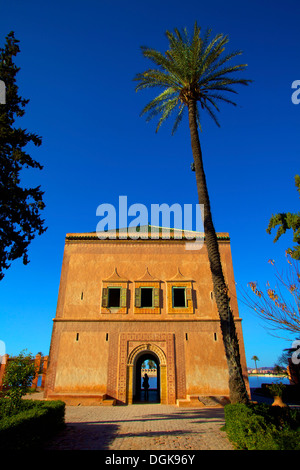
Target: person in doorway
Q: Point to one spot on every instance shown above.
(146, 386)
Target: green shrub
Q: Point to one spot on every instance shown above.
(17, 379)
(35, 421)
(263, 427)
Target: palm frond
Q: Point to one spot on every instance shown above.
(178, 119)
(221, 98)
(159, 100)
(193, 68)
(210, 111)
(154, 78)
(166, 110)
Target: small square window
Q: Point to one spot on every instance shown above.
(146, 297)
(179, 297)
(114, 297)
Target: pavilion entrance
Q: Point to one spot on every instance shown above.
(141, 355)
(141, 368)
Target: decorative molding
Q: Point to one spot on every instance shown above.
(147, 277)
(147, 347)
(115, 277)
(179, 278)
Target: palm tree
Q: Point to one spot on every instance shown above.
(193, 74)
(255, 358)
(151, 364)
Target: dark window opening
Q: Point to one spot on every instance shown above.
(106, 337)
(146, 297)
(77, 336)
(179, 297)
(215, 336)
(114, 297)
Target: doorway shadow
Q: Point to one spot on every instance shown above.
(153, 397)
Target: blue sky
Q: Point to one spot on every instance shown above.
(77, 63)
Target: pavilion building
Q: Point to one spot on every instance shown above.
(123, 301)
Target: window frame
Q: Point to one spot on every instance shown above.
(106, 286)
(156, 303)
(189, 304)
(185, 297)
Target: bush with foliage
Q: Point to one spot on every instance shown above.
(262, 427)
(276, 389)
(28, 426)
(17, 380)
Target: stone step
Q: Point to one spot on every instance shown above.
(108, 402)
(83, 399)
(216, 401)
(195, 401)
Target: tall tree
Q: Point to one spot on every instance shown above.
(255, 359)
(20, 206)
(193, 75)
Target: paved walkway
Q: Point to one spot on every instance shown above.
(141, 427)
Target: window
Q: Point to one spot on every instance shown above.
(179, 297)
(114, 297)
(146, 297)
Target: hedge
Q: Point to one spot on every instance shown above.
(262, 427)
(35, 421)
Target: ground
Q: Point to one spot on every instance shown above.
(141, 427)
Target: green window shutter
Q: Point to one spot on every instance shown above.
(188, 292)
(123, 300)
(104, 297)
(138, 297)
(156, 297)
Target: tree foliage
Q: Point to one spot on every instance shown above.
(255, 359)
(279, 305)
(18, 377)
(192, 68)
(288, 221)
(20, 219)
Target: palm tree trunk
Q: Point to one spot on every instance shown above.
(237, 388)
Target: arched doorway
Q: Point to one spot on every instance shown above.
(138, 355)
(153, 395)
